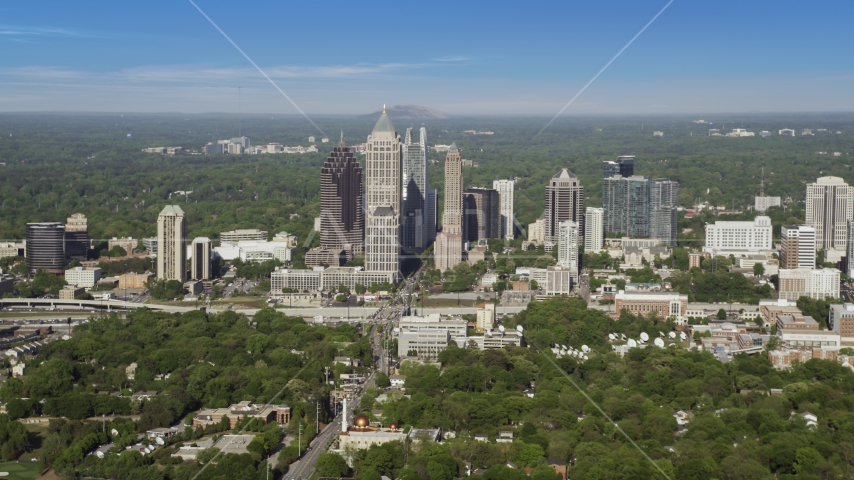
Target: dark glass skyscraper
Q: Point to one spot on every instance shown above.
(45, 247)
(663, 199)
(342, 223)
(416, 225)
(625, 166)
(626, 204)
(482, 215)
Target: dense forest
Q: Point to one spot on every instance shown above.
(59, 164)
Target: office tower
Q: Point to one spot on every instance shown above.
(482, 218)
(624, 166)
(415, 224)
(172, 244)
(625, 201)
(77, 237)
(45, 248)
(797, 246)
(342, 224)
(567, 247)
(594, 230)
(663, 200)
(201, 259)
(505, 197)
(449, 242)
(564, 201)
(829, 205)
(432, 210)
(382, 199)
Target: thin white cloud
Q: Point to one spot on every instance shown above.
(44, 31)
(457, 58)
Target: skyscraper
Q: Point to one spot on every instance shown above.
(45, 247)
(663, 200)
(797, 246)
(382, 199)
(342, 224)
(172, 244)
(594, 230)
(624, 166)
(564, 201)
(625, 201)
(829, 206)
(482, 219)
(567, 247)
(201, 259)
(849, 257)
(449, 242)
(77, 237)
(505, 198)
(415, 224)
(432, 212)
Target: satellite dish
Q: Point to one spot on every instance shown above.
(501, 328)
(682, 335)
(489, 333)
(644, 336)
(659, 343)
(672, 334)
(623, 336)
(661, 334)
(614, 347)
(585, 357)
(612, 337)
(159, 441)
(519, 328)
(564, 347)
(585, 348)
(114, 432)
(631, 343)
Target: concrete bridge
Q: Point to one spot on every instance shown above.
(55, 304)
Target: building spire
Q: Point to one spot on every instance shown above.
(341, 142)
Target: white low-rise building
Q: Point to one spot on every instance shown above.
(739, 238)
(85, 277)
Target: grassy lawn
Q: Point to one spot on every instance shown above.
(19, 471)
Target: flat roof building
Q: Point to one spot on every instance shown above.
(664, 304)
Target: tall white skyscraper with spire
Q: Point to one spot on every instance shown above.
(383, 199)
(449, 242)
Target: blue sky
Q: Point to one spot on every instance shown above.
(467, 57)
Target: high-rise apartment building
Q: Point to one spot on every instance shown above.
(807, 282)
(624, 166)
(505, 198)
(625, 201)
(45, 247)
(567, 247)
(172, 244)
(849, 257)
(564, 201)
(415, 236)
(663, 200)
(482, 217)
(537, 231)
(797, 246)
(449, 242)
(739, 238)
(201, 259)
(77, 237)
(829, 206)
(382, 199)
(342, 224)
(594, 231)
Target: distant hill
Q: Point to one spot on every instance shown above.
(409, 112)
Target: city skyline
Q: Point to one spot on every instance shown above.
(125, 59)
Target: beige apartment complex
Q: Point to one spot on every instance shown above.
(172, 244)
